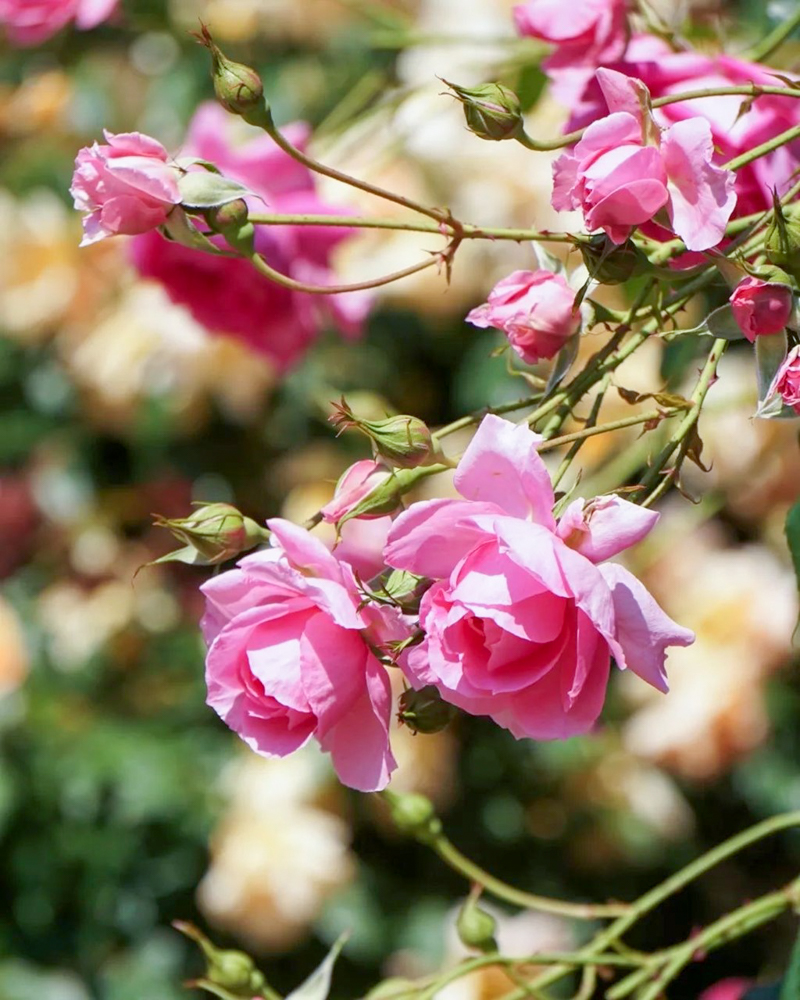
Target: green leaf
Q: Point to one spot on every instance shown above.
(792, 529)
(563, 362)
(318, 984)
(791, 982)
(722, 324)
(202, 189)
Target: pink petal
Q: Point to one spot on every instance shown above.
(502, 466)
(624, 93)
(702, 195)
(643, 630)
(432, 536)
(92, 12)
(605, 526)
(307, 553)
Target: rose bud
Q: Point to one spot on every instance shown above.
(782, 243)
(212, 534)
(761, 307)
(611, 264)
(413, 814)
(238, 88)
(401, 441)
(475, 927)
(234, 971)
(492, 111)
(425, 711)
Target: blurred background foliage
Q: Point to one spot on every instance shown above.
(120, 792)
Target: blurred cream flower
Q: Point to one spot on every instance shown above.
(742, 603)
(278, 852)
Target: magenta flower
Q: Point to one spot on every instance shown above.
(125, 186)
(624, 172)
(535, 311)
(226, 295)
(761, 307)
(584, 31)
(289, 657)
(29, 22)
(786, 383)
(521, 623)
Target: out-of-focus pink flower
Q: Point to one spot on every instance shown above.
(354, 485)
(127, 185)
(225, 294)
(625, 171)
(726, 989)
(288, 657)
(29, 22)
(521, 624)
(734, 128)
(584, 31)
(535, 311)
(761, 307)
(786, 383)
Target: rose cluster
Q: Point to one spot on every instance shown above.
(520, 618)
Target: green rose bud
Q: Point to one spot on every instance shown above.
(476, 928)
(232, 222)
(414, 815)
(425, 711)
(782, 240)
(402, 441)
(491, 110)
(238, 88)
(611, 264)
(212, 534)
(234, 971)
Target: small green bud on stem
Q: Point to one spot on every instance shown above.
(213, 533)
(611, 264)
(414, 815)
(238, 87)
(425, 711)
(782, 240)
(231, 220)
(402, 441)
(491, 110)
(234, 971)
(475, 927)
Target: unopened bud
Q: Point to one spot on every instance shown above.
(782, 240)
(425, 711)
(414, 815)
(476, 928)
(238, 87)
(234, 971)
(213, 533)
(402, 441)
(491, 110)
(232, 222)
(611, 264)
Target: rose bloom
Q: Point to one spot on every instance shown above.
(624, 172)
(761, 307)
(288, 657)
(127, 185)
(726, 989)
(522, 622)
(734, 128)
(585, 31)
(29, 22)
(225, 294)
(535, 311)
(786, 383)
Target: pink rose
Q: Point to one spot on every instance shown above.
(128, 185)
(225, 294)
(761, 307)
(535, 311)
(521, 623)
(585, 31)
(726, 989)
(288, 657)
(355, 484)
(624, 171)
(786, 383)
(30, 22)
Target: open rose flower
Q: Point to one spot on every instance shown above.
(522, 622)
(125, 186)
(535, 311)
(786, 383)
(288, 657)
(584, 31)
(225, 294)
(624, 172)
(761, 307)
(29, 22)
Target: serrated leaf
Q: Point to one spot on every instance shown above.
(721, 324)
(202, 189)
(318, 984)
(563, 361)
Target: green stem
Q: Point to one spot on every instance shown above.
(615, 425)
(529, 901)
(774, 39)
(591, 421)
(478, 415)
(766, 147)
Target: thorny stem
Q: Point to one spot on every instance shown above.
(616, 425)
